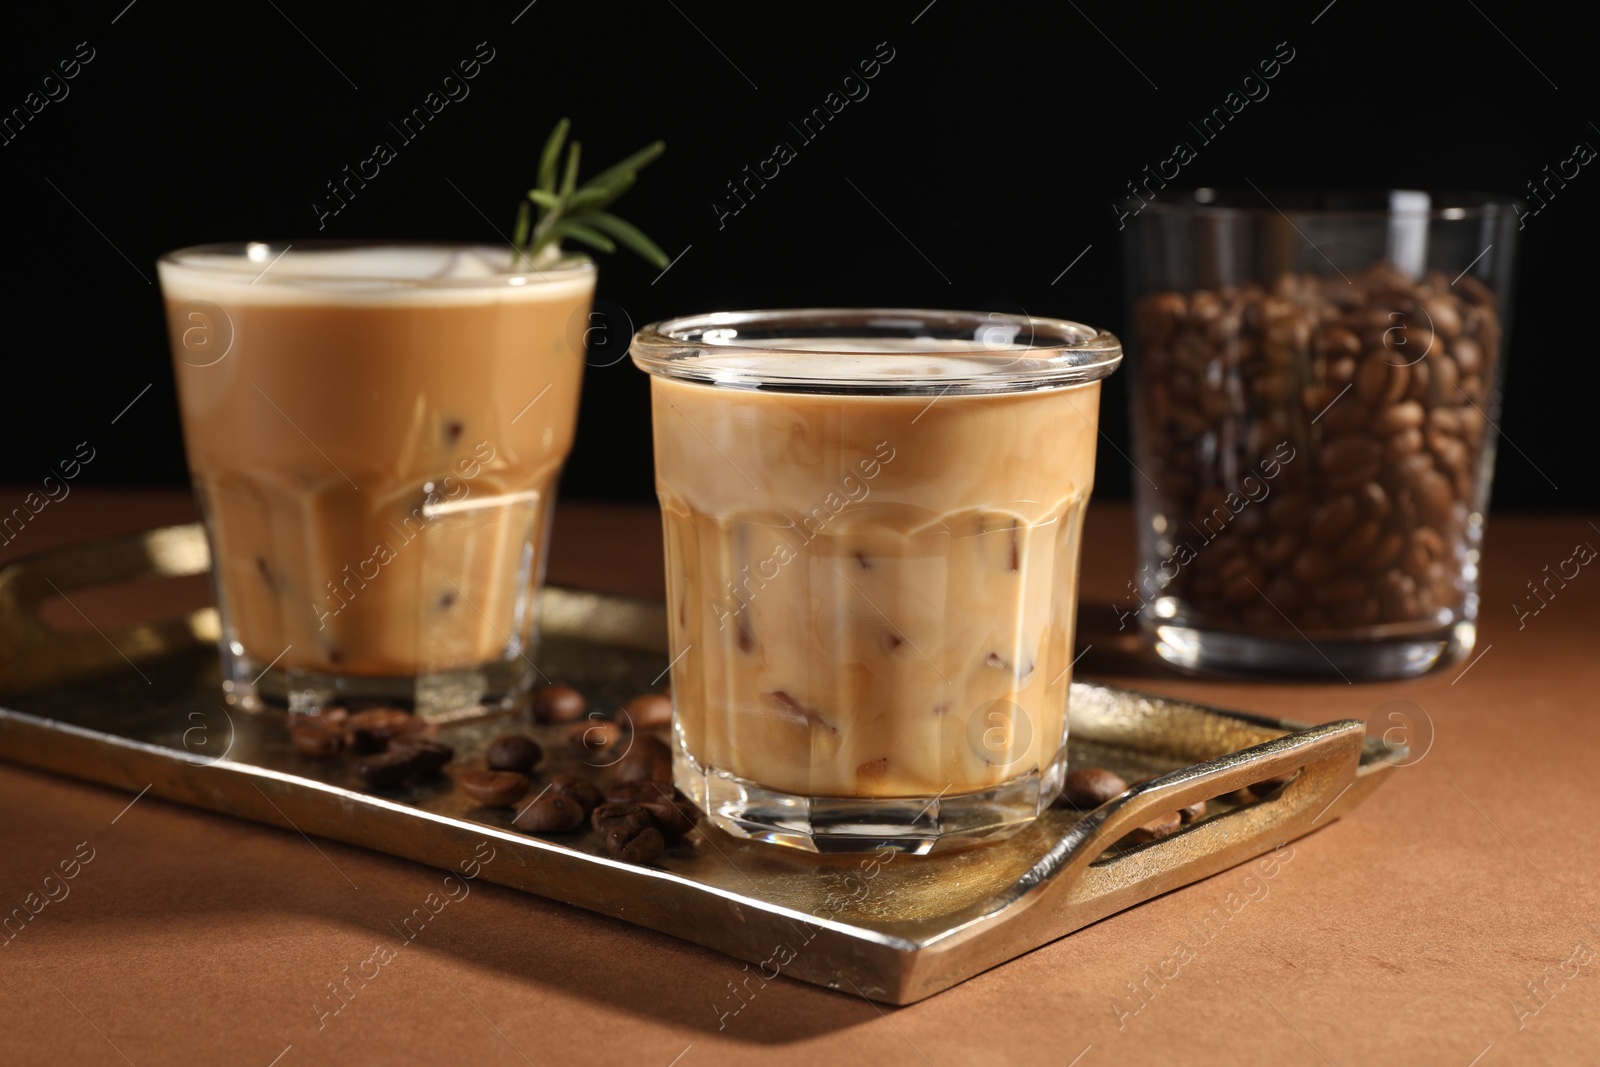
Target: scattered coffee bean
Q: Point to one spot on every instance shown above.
(673, 812)
(584, 792)
(550, 813)
(558, 703)
(594, 735)
(1086, 788)
(674, 817)
(427, 754)
(1159, 827)
(647, 759)
(388, 768)
(494, 788)
(1193, 813)
(608, 817)
(316, 738)
(649, 710)
(513, 753)
(372, 730)
(635, 845)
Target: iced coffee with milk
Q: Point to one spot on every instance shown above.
(872, 527)
(375, 433)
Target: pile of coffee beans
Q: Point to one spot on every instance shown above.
(392, 746)
(636, 812)
(1086, 788)
(1316, 449)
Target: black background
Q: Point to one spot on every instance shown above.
(985, 159)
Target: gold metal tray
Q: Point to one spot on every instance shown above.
(140, 708)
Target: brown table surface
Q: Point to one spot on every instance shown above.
(1454, 918)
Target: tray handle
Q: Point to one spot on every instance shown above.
(32, 653)
(1328, 758)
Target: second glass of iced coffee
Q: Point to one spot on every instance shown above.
(872, 524)
(375, 432)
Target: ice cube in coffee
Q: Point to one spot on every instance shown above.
(872, 527)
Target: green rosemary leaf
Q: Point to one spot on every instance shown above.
(636, 162)
(557, 207)
(585, 200)
(614, 186)
(519, 234)
(551, 155)
(579, 232)
(630, 235)
(548, 201)
(570, 180)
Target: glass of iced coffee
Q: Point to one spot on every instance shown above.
(872, 527)
(374, 432)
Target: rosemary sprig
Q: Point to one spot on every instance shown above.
(559, 207)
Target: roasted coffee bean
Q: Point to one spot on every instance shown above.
(1442, 389)
(494, 788)
(1358, 543)
(674, 817)
(550, 813)
(1424, 549)
(514, 752)
(1407, 415)
(314, 737)
(1385, 553)
(1157, 828)
(649, 710)
(1333, 520)
(558, 703)
(373, 729)
(391, 767)
(635, 845)
(607, 817)
(429, 755)
(1400, 445)
(1373, 501)
(1348, 453)
(1086, 788)
(1193, 813)
(1312, 567)
(648, 758)
(1336, 341)
(656, 798)
(582, 791)
(594, 735)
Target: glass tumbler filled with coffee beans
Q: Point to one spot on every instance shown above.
(1315, 394)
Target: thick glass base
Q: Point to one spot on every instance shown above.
(439, 697)
(1375, 658)
(918, 825)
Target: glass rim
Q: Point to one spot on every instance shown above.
(1057, 352)
(256, 267)
(1374, 203)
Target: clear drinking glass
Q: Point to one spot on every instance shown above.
(374, 432)
(872, 526)
(1316, 384)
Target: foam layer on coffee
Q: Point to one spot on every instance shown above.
(858, 359)
(377, 274)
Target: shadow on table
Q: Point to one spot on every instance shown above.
(325, 905)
